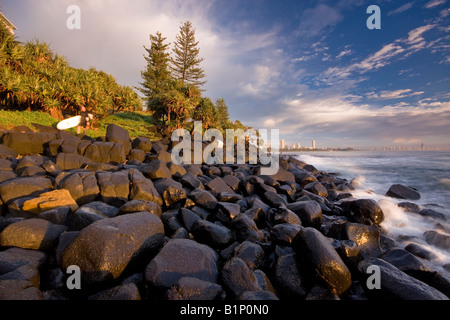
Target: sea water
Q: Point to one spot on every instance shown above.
(376, 171)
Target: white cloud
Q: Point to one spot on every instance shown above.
(343, 53)
(401, 9)
(434, 3)
(314, 20)
(396, 94)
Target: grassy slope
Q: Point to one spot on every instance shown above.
(138, 124)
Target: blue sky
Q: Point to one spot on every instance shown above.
(311, 69)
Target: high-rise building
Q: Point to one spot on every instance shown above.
(282, 144)
(314, 144)
(299, 146)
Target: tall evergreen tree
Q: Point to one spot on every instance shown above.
(156, 76)
(186, 63)
(223, 114)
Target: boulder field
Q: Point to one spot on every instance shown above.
(115, 219)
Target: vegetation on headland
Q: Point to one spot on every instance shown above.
(34, 78)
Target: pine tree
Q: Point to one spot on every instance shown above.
(186, 63)
(224, 115)
(157, 74)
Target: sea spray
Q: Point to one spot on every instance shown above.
(372, 173)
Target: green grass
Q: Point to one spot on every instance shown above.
(11, 119)
(138, 124)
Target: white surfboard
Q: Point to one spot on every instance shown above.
(68, 123)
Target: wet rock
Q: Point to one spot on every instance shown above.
(217, 185)
(366, 211)
(288, 278)
(170, 190)
(282, 215)
(323, 258)
(409, 207)
(191, 181)
(366, 236)
(420, 251)
(437, 239)
(284, 233)
(432, 214)
(237, 278)
(203, 198)
(182, 258)
(316, 188)
(309, 212)
(105, 248)
(403, 192)
(252, 254)
(396, 284)
(246, 229)
(212, 234)
(37, 234)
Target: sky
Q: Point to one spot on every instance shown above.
(312, 69)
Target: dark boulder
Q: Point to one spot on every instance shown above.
(121, 292)
(284, 233)
(212, 234)
(37, 234)
(366, 236)
(82, 186)
(217, 185)
(182, 258)
(366, 211)
(114, 133)
(140, 206)
(156, 169)
(204, 199)
(114, 187)
(69, 161)
(309, 212)
(437, 239)
(237, 278)
(289, 280)
(105, 152)
(246, 229)
(24, 187)
(171, 191)
(252, 254)
(142, 143)
(105, 248)
(90, 213)
(396, 284)
(420, 251)
(323, 259)
(143, 189)
(403, 192)
(189, 288)
(191, 181)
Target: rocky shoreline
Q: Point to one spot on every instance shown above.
(139, 227)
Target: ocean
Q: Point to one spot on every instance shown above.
(376, 171)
